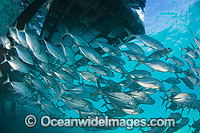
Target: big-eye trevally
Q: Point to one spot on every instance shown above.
(16, 64)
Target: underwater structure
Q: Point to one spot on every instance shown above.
(81, 56)
(90, 19)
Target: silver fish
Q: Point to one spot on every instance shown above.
(184, 98)
(149, 83)
(191, 52)
(140, 74)
(135, 57)
(55, 51)
(196, 70)
(69, 54)
(187, 82)
(135, 48)
(147, 40)
(150, 42)
(79, 104)
(83, 91)
(58, 90)
(78, 40)
(92, 113)
(141, 97)
(72, 72)
(21, 34)
(149, 91)
(160, 53)
(20, 88)
(196, 39)
(32, 42)
(52, 110)
(24, 54)
(175, 69)
(89, 76)
(45, 67)
(64, 76)
(121, 99)
(158, 65)
(134, 111)
(6, 42)
(189, 60)
(116, 67)
(40, 85)
(16, 64)
(91, 54)
(174, 90)
(102, 70)
(49, 80)
(129, 83)
(172, 80)
(114, 59)
(41, 55)
(107, 48)
(13, 33)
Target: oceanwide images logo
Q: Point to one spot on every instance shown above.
(129, 123)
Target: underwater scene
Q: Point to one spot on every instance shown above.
(100, 66)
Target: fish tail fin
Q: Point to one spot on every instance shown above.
(189, 67)
(16, 22)
(139, 62)
(177, 75)
(166, 109)
(167, 57)
(66, 32)
(189, 127)
(105, 103)
(38, 99)
(8, 80)
(121, 42)
(192, 34)
(5, 59)
(163, 98)
(24, 29)
(99, 89)
(192, 45)
(130, 35)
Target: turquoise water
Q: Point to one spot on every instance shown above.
(167, 21)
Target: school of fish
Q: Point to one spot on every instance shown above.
(75, 76)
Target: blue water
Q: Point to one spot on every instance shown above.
(167, 21)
